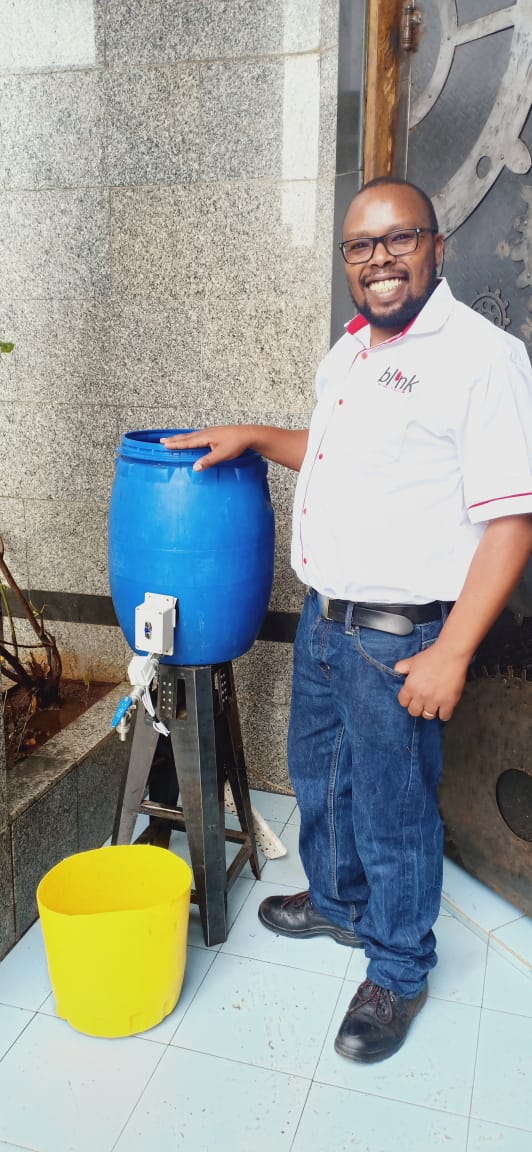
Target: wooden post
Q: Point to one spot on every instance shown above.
(383, 61)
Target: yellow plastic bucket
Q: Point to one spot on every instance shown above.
(115, 924)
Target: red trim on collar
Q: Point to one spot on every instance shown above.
(356, 324)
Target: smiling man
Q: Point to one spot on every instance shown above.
(412, 524)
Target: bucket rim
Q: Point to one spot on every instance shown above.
(47, 897)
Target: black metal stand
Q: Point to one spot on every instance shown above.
(198, 706)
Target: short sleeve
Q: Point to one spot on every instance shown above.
(496, 437)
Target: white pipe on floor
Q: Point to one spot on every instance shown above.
(265, 837)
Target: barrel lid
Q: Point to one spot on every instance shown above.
(144, 444)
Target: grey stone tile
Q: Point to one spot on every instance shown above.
(264, 673)
(194, 413)
(155, 351)
(7, 359)
(328, 112)
(13, 533)
(287, 592)
(156, 243)
(92, 652)
(36, 35)
(264, 734)
(3, 779)
(269, 240)
(31, 779)
(67, 546)
(152, 125)
(263, 351)
(329, 18)
(7, 908)
(52, 126)
(42, 836)
(58, 242)
(233, 238)
(98, 778)
(242, 120)
(161, 31)
(71, 451)
(63, 346)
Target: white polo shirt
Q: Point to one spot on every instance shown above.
(413, 445)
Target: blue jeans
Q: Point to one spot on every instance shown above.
(366, 778)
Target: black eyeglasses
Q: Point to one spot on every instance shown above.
(401, 242)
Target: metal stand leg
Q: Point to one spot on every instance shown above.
(194, 747)
(230, 753)
(135, 779)
(198, 706)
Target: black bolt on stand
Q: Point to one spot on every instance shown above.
(198, 706)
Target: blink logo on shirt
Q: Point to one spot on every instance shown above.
(396, 380)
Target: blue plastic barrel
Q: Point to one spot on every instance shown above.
(206, 538)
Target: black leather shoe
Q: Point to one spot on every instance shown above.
(296, 916)
(376, 1023)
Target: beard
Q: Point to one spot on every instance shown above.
(402, 314)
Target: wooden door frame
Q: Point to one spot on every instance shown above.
(383, 150)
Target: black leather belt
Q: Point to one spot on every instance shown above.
(396, 618)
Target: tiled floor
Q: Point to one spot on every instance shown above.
(246, 1060)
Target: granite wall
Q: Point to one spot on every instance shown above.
(167, 188)
(7, 908)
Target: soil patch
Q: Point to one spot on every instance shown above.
(28, 727)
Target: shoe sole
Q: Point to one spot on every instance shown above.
(367, 1057)
(373, 1057)
(339, 936)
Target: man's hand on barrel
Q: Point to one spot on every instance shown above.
(225, 443)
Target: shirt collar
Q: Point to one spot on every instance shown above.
(432, 316)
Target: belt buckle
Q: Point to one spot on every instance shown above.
(323, 605)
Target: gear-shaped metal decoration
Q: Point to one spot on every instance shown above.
(498, 144)
(491, 305)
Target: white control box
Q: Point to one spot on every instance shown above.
(155, 623)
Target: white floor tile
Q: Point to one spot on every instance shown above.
(64, 1092)
(474, 903)
(515, 941)
(287, 869)
(506, 989)
(295, 818)
(12, 1023)
(236, 897)
(494, 1138)
(231, 849)
(195, 938)
(261, 1014)
(504, 1071)
(14, 1147)
(434, 1068)
(24, 980)
(250, 938)
(203, 1104)
(459, 973)
(335, 1118)
(256, 1022)
(198, 963)
(272, 806)
(356, 969)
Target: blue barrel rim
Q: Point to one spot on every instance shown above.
(143, 444)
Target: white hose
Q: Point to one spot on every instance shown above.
(265, 837)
